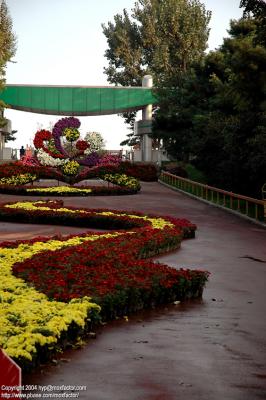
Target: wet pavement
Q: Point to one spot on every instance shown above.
(210, 349)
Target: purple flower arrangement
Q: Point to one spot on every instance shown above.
(58, 131)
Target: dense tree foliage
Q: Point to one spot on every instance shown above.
(160, 37)
(7, 48)
(257, 9)
(216, 115)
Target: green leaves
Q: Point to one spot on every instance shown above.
(7, 47)
(215, 115)
(161, 38)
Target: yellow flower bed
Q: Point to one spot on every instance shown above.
(59, 189)
(123, 180)
(28, 319)
(70, 168)
(21, 179)
(157, 223)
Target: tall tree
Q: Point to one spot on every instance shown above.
(257, 9)
(217, 113)
(7, 48)
(160, 37)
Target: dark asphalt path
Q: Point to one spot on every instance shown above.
(213, 349)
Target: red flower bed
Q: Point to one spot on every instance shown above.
(111, 270)
(91, 218)
(95, 191)
(144, 172)
(18, 168)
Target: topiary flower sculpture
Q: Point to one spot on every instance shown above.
(63, 146)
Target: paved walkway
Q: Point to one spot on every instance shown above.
(213, 349)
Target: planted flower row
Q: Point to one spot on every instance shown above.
(145, 172)
(123, 180)
(70, 191)
(55, 212)
(66, 190)
(20, 179)
(51, 288)
(15, 185)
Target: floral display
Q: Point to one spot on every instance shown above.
(90, 160)
(59, 129)
(61, 282)
(95, 141)
(70, 167)
(123, 180)
(66, 190)
(146, 172)
(52, 144)
(18, 179)
(28, 319)
(42, 172)
(71, 134)
(45, 158)
(107, 164)
(123, 183)
(82, 145)
(60, 190)
(109, 159)
(40, 138)
(30, 160)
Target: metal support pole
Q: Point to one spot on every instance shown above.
(146, 143)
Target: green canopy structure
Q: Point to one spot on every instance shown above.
(77, 100)
(85, 101)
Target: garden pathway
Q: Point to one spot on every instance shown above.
(212, 349)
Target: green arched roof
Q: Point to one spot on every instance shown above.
(76, 100)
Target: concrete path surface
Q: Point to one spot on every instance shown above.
(212, 349)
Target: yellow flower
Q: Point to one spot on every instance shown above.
(123, 180)
(156, 222)
(60, 189)
(70, 168)
(28, 319)
(21, 179)
(71, 134)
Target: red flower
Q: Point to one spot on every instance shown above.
(110, 270)
(82, 145)
(40, 137)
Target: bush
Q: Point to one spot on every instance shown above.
(188, 171)
(146, 172)
(175, 169)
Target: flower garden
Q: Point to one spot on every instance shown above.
(61, 155)
(54, 289)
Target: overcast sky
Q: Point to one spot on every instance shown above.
(60, 42)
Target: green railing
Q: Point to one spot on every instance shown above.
(242, 205)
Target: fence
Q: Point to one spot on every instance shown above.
(247, 206)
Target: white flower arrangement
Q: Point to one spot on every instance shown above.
(49, 161)
(95, 141)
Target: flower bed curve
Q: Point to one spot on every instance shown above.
(143, 172)
(15, 184)
(50, 285)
